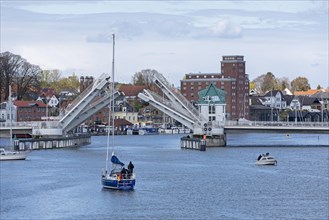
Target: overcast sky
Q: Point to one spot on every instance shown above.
(287, 38)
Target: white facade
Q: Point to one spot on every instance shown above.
(53, 101)
(213, 112)
(275, 101)
(5, 111)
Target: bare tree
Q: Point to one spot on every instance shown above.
(283, 83)
(49, 77)
(144, 77)
(257, 83)
(17, 71)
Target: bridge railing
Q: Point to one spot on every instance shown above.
(178, 95)
(276, 123)
(30, 124)
(166, 102)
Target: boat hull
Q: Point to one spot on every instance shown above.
(267, 162)
(124, 184)
(12, 155)
(17, 156)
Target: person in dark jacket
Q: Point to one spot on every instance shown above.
(130, 167)
(260, 156)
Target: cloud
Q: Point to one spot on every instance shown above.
(226, 29)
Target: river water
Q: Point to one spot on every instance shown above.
(172, 183)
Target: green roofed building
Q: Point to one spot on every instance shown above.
(212, 104)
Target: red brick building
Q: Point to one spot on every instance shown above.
(85, 82)
(30, 110)
(232, 78)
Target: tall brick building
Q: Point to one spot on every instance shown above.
(232, 78)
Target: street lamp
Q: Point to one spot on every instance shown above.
(322, 102)
(46, 109)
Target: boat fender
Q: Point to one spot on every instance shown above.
(205, 124)
(209, 129)
(205, 129)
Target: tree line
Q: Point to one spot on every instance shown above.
(267, 82)
(29, 78)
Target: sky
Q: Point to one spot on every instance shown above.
(287, 38)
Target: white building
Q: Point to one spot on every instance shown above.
(212, 104)
(5, 109)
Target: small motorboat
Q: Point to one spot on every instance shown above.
(12, 155)
(266, 159)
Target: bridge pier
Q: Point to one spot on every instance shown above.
(201, 142)
(193, 143)
(50, 143)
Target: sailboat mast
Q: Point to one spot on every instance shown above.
(111, 111)
(113, 35)
(10, 117)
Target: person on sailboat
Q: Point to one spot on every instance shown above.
(124, 172)
(130, 167)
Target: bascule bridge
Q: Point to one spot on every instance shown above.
(95, 97)
(207, 119)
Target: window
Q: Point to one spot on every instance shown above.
(212, 118)
(211, 109)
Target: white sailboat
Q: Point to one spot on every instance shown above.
(118, 178)
(10, 154)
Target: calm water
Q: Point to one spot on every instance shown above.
(220, 183)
